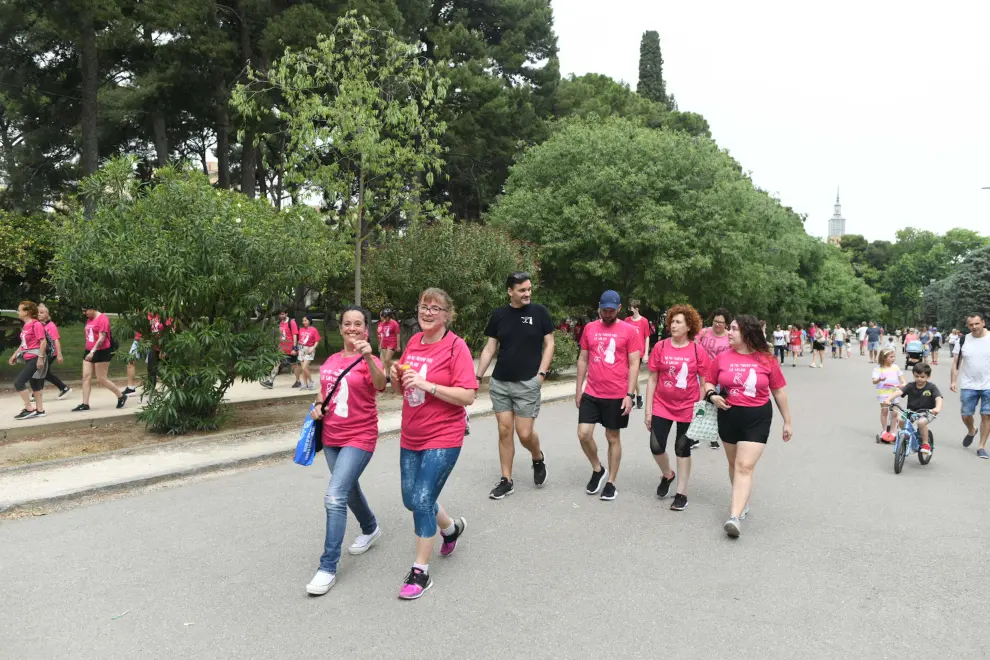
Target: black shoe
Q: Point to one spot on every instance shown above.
(121, 401)
(296, 385)
(639, 402)
(968, 440)
(679, 503)
(81, 407)
(267, 384)
(540, 471)
(129, 390)
(38, 413)
(608, 492)
(64, 393)
(694, 443)
(664, 486)
(598, 479)
(503, 488)
(714, 444)
(24, 414)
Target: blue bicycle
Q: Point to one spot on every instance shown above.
(908, 440)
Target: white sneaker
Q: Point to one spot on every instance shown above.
(364, 542)
(321, 583)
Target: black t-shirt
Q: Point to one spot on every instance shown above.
(520, 332)
(921, 398)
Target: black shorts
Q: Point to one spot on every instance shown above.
(818, 346)
(103, 355)
(661, 430)
(607, 412)
(745, 424)
(936, 344)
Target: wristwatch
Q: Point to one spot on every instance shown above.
(542, 373)
(631, 395)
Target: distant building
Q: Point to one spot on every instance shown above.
(836, 224)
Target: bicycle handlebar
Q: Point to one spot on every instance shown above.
(910, 413)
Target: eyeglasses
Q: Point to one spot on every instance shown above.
(718, 322)
(432, 309)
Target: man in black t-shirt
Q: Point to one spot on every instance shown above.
(521, 335)
(921, 396)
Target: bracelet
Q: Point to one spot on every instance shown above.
(433, 392)
(709, 395)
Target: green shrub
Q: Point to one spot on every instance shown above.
(565, 353)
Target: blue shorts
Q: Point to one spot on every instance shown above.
(873, 346)
(970, 398)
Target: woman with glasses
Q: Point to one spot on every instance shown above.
(437, 379)
(748, 376)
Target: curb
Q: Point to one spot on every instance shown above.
(130, 484)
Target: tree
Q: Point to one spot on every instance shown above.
(949, 301)
(207, 259)
(361, 115)
(651, 84)
(597, 94)
(469, 262)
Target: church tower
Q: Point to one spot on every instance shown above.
(836, 224)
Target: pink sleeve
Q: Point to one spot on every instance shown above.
(713, 370)
(53, 332)
(104, 325)
(319, 339)
(704, 364)
(776, 379)
(654, 363)
(635, 342)
(462, 367)
(584, 339)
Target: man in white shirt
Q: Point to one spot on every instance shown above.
(971, 378)
(861, 336)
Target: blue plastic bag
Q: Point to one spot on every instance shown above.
(306, 447)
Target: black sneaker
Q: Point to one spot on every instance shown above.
(122, 400)
(38, 413)
(664, 486)
(129, 390)
(296, 385)
(639, 402)
(24, 414)
(968, 440)
(598, 479)
(81, 407)
(714, 444)
(503, 488)
(540, 471)
(679, 503)
(608, 492)
(64, 393)
(267, 384)
(694, 443)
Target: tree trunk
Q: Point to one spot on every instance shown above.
(161, 138)
(223, 138)
(248, 151)
(89, 65)
(359, 230)
(261, 174)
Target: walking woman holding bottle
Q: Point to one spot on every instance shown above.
(350, 434)
(436, 376)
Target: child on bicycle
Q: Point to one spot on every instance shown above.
(889, 379)
(922, 397)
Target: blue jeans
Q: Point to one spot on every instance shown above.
(346, 465)
(970, 399)
(424, 473)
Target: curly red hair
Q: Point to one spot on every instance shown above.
(691, 317)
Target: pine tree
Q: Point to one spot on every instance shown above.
(651, 84)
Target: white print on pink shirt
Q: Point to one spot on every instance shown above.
(341, 409)
(610, 352)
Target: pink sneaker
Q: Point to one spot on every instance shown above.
(450, 542)
(417, 584)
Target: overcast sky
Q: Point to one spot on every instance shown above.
(889, 102)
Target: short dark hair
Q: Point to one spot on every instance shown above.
(723, 312)
(634, 302)
(517, 278)
(356, 308)
(922, 369)
(979, 315)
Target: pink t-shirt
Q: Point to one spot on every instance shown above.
(52, 331)
(310, 336)
(712, 343)
(747, 379)
(93, 329)
(643, 328)
(677, 387)
(608, 349)
(285, 331)
(388, 335)
(427, 421)
(352, 415)
(31, 335)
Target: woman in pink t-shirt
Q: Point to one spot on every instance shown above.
(748, 376)
(46, 321)
(436, 377)
(350, 433)
(309, 338)
(96, 358)
(32, 352)
(677, 373)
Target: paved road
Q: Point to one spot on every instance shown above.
(840, 557)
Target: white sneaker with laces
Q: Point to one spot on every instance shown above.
(364, 542)
(321, 583)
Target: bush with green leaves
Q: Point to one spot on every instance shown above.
(468, 261)
(208, 260)
(565, 352)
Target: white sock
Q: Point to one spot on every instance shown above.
(450, 530)
(423, 567)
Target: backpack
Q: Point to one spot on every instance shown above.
(49, 346)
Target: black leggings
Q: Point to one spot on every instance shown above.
(658, 437)
(56, 381)
(27, 375)
(780, 352)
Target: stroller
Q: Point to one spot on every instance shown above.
(914, 352)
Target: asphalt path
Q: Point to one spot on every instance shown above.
(840, 557)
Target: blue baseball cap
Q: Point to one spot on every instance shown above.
(609, 300)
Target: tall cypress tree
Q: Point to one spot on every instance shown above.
(651, 83)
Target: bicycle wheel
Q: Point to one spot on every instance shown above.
(925, 460)
(900, 453)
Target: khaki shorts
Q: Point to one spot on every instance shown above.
(519, 397)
